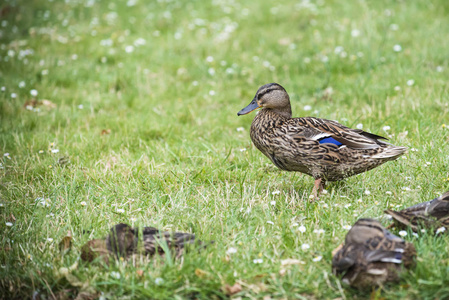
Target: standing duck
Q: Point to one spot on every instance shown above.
(321, 148)
(430, 214)
(372, 255)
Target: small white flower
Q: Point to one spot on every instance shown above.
(415, 234)
(388, 193)
(414, 150)
(338, 49)
(6, 154)
(120, 210)
(195, 83)
(348, 205)
(359, 200)
(319, 231)
(231, 250)
(209, 59)
(140, 42)
(347, 227)
(325, 205)
(159, 281)
(1, 205)
(441, 230)
(397, 48)
(50, 215)
(83, 203)
(317, 258)
(211, 71)
(43, 202)
(295, 224)
(394, 27)
(240, 129)
(9, 224)
(324, 59)
(423, 230)
(406, 188)
(258, 260)
(115, 275)
(212, 93)
(54, 150)
(80, 106)
(324, 192)
(302, 228)
(275, 192)
(386, 127)
(367, 192)
(355, 33)
(33, 93)
(273, 203)
(428, 163)
(270, 222)
(74, 57)
(402, 233)
(410, 82)
(397, 88)
(376, 202)
(307, 60)
(305, 247)
(359, 126)
(13, 95)
(129, 49)
(22, 84)
(439, 69)
(50, 240)
(3, 88)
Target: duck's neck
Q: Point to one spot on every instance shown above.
(278, 112)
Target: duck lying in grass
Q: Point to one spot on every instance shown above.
(122, 241)
(371, 255)
(430, 214)
(321, 148)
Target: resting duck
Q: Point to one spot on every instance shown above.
(372, 255)
(430, 214)
(122, 241)
(321, 148)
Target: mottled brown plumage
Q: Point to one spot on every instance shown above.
(321, 148)
(122, 241)
(372, 256)
(431, 214)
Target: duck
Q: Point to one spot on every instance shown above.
(122, 242)
(372, 256)
(321, 148)
(431, 214)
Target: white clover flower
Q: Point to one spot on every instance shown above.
(258, 260)
(9, 224)
(129, 49)
(273, 203)
(302, 228)
(231, 250)
(33, 93)
(441, 230)
(402, 233)
(359, 126)
(355, 33)
(397, 48)
(115, 275)
(410, 82)
(317, 258)
(305, 247)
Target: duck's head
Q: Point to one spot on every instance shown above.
(271, 96)
(365, 229)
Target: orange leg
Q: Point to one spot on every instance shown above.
(318, 188)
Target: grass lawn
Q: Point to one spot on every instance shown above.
(140, 127)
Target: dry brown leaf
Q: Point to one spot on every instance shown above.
(11, 218)
(337, 249)
(139, 273)
(105, 131)
(47, 103)
(66, 243)
(231, 290)
(291, 261)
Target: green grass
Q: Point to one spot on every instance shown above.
(173, 157)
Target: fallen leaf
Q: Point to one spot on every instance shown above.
(11, 218)
(105, 131)
(47, 103)
(139, 273)
(66, 243)
(200, 273)
(231, 290)
(291, 261)
(337, 249)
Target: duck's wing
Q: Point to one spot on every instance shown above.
(328, 131)
(439, 207)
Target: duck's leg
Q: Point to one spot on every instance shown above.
(318, 188)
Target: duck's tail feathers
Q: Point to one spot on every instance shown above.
(390, 153)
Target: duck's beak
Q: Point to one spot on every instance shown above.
(252, 106)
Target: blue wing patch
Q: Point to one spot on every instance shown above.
(330, 140)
